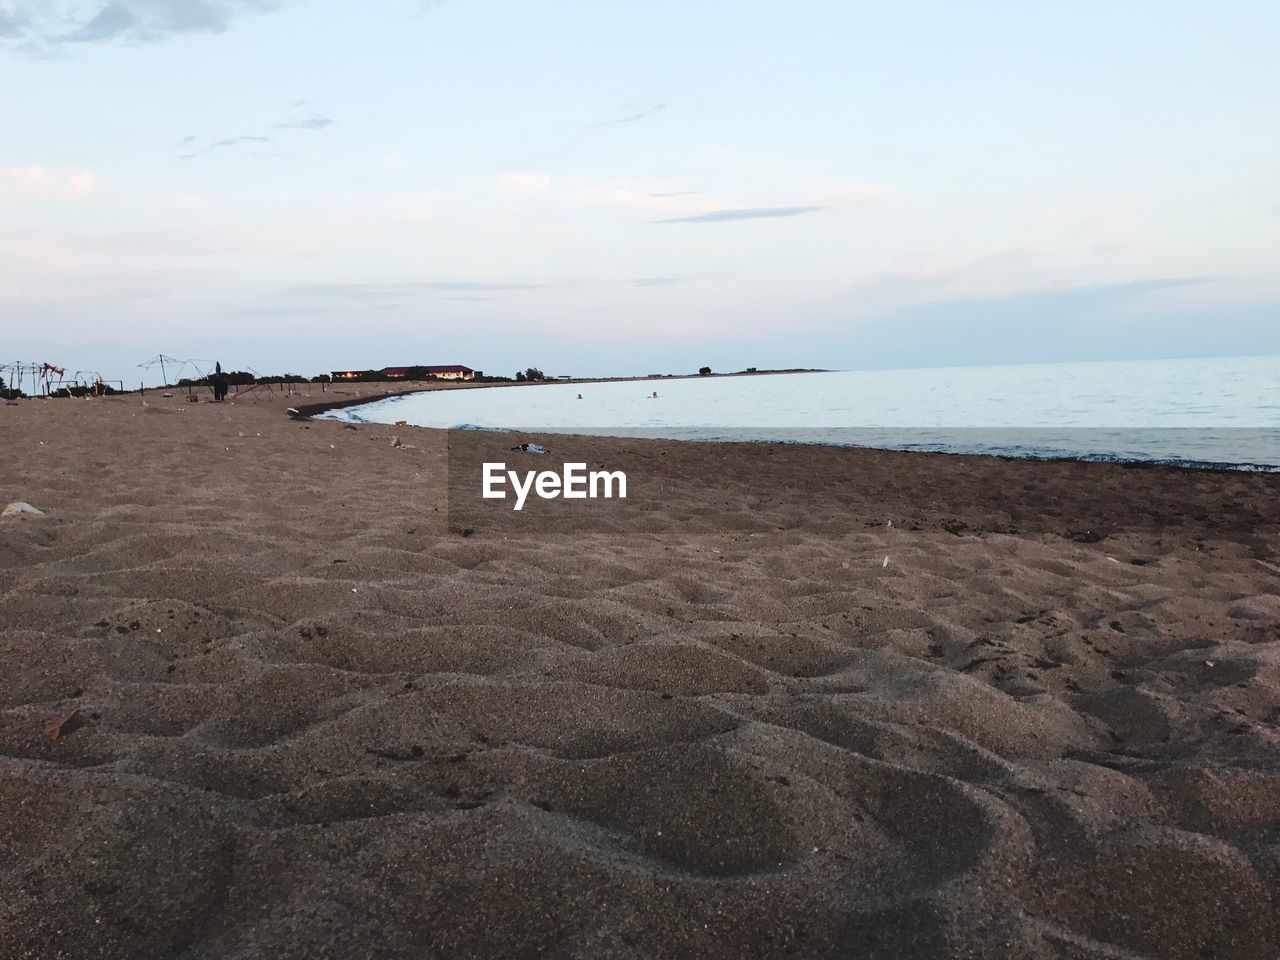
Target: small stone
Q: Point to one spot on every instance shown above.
(19, 507)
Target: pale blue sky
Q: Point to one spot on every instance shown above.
(598, 187)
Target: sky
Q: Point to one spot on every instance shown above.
(602, 188)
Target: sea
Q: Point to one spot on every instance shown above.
(1219, 412)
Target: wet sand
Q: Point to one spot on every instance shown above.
(266, 694)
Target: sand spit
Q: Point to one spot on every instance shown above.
(262, 697)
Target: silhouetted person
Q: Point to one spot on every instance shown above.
(219, 383)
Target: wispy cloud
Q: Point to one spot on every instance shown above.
(755, 213)
(622, 194)
(514, 182)
(222, 144)
(383, 291)
(234, 141)
(14, 23)
(314, 122)
(190, 143)
(43, 23)
(632, 117)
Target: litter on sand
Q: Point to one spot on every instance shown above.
(19, 507)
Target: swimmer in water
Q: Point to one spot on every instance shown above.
(579, 396)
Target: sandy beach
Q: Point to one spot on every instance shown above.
(268, 692)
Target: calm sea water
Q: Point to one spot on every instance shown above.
(1203, 412)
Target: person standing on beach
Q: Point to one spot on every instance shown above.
(219, 383)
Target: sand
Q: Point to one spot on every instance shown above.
(265, 694)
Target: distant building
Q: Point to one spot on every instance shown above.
(453, 371)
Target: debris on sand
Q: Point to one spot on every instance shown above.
(20, 507)
(65, 725)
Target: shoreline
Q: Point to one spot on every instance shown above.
(313, 411)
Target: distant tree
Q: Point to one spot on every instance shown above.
(704, 371)
(533, 373)
(520, 377)
(322, 378)
(278, 378)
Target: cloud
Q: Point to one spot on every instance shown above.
(621, 194)
(13, 23)
(233, 141)
(382, 291)
(82, 184)
(39, 181)
(524, 182)
(223, 144)
(38, 23)
(633, 117)
(1058, 323)
(756, 213)
(313, 122)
